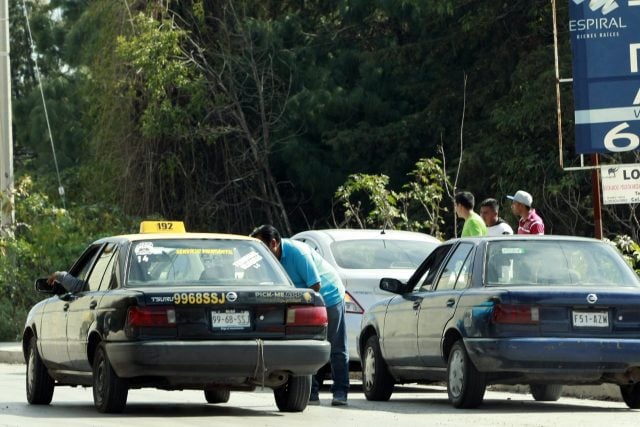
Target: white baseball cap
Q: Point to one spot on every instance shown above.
(522, 197)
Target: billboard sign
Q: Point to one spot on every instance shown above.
(620, 184)
(605, 42)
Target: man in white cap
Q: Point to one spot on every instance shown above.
(530, 222)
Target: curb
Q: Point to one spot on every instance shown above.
(11, 352)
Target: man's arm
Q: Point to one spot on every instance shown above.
(307, 269)
(69, 283)
(536, 228)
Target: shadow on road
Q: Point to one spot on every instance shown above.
(418, 399)
(137, 409)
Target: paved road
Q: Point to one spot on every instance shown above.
(410, 406)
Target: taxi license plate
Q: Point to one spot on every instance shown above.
(230, 319)
(590, 319)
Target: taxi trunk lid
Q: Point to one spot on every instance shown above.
(228, 313)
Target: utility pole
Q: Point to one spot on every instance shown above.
(7, 211)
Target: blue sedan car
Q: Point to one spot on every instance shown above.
(542, 310)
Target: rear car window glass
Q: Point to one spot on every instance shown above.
(380, 253)
(575, 263)
(214, 262)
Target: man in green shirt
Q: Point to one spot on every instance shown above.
(473, 223)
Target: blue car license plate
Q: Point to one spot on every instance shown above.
(590, 319)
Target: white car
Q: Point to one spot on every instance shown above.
(362, 258)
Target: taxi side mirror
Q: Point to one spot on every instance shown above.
(43, 287)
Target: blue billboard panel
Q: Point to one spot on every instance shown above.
(605, 41)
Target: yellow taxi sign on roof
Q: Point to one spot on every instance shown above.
(162, 227)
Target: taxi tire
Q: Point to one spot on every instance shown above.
(109, 391)
(546, 392)
(294, 395)
(631, 395)
(39, 383)
(465, 385)
(218, 395)
(377, 382)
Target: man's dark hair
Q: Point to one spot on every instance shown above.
(266, 233)
(490, 203)
(465, 199)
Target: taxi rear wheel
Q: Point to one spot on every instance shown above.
(546, 392)
(219, 395)
(377, 382)
(294, 395)
(39, 383)
(631, 395)
(109, 391)
(465, 385)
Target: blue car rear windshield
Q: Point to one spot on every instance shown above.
(202, 262)
(544, 262)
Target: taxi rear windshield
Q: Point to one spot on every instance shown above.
(544, 262)
(175, 262)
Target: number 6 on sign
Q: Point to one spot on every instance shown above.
(613, 134)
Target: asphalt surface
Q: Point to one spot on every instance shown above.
(11, 352)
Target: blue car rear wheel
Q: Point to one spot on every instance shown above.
(465, 385)
(631, 395)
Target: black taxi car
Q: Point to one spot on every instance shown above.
(176, 310)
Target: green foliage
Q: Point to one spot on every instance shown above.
(162, 73)
(382, 211)
(417, 207)
(45, 239)
(422, 197)
(630, 250)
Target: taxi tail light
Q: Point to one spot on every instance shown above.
(351, 305)
(515, 314)
(307, 315)
(151, 316)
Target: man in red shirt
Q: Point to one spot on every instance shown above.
(530, 222)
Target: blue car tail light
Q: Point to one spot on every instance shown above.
(515, 314)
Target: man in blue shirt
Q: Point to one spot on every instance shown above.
(307, 269)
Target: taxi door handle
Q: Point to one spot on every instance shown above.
(66, 307)
(416, 304)
(451, 302)
(93, 304)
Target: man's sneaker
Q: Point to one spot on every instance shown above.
(314, 401)
(339, 400)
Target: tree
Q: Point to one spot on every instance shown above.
(186, 98)
(417, 208)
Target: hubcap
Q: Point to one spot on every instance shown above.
(31, 370)
(369, 368)
(456, 373)
(99, 384)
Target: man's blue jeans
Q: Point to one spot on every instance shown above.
(337, 337)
